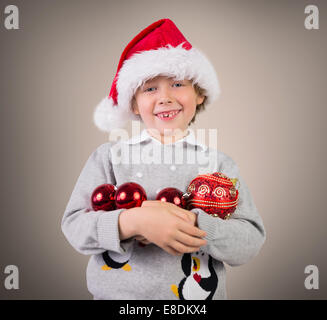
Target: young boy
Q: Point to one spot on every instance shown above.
(163, 81)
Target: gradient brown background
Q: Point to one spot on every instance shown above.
(271, 119)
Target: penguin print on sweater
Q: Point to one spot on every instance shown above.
(115, 260)
(201, 281)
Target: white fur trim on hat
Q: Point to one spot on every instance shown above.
(108, 116)
(170, 61)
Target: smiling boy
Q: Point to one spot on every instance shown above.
(166, 107)
(164, 82)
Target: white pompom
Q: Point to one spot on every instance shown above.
(108, 116)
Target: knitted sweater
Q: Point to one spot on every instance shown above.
(119, 270)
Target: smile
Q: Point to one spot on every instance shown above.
(168, 115)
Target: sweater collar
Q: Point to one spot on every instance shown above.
(145, 136)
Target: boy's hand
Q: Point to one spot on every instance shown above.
(142, 240)
(189, 216)
(169, 227)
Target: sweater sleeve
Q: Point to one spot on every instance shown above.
(238, 239)
(88, 231)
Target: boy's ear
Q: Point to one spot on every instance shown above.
(199, 99)
(135, 108)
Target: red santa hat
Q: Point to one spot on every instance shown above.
(160, 49)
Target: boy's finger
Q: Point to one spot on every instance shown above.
(152, 203)
(190, 241)
(192, 230)
(172, 251)
(146, 203)
(180, 247)
(156, 203)
(139, 238)
(182, 215)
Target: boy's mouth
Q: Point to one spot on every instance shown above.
(168, 115)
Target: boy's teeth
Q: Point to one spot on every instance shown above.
(168, 114)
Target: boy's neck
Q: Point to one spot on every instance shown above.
(168, 138)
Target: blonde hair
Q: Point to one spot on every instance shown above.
(200, 107)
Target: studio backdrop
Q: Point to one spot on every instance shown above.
(58, 59)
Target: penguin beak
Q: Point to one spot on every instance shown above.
(196, 264)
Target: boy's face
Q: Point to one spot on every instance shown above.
(166, 105)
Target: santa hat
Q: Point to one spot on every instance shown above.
(160, 49)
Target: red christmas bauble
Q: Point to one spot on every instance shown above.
(129, 195)
(214, 193)
(172, 195)
(103, 197)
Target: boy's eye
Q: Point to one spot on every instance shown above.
(178, 84)
(149, 89)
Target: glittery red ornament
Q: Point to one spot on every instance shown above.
(129, 195)
(172, 195)
(214, 193)
(103, 197)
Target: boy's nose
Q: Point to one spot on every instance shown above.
(165, 100)
(165, 97)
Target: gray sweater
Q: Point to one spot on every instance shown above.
(120, 270)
